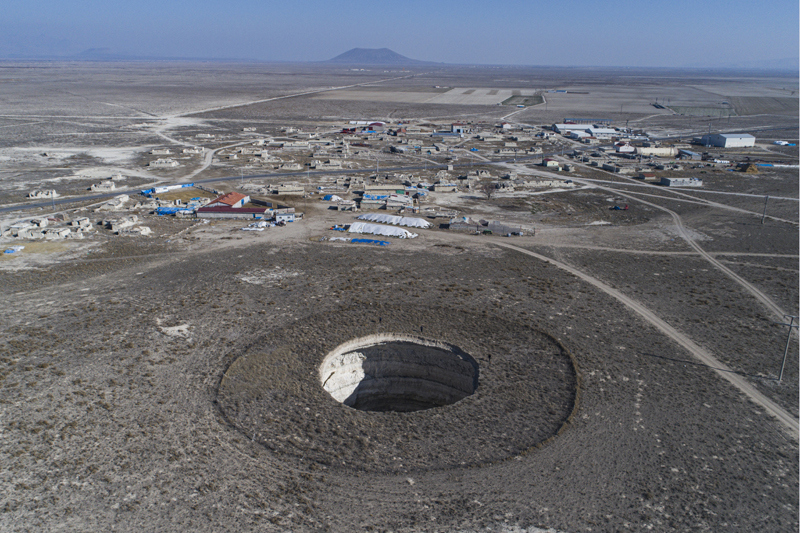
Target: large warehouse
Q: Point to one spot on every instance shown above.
(729, 140)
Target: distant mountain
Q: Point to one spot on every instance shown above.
(375, 56)
(98, 54)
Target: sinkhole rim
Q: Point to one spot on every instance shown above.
(398, 378)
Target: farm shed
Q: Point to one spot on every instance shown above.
(728, 140)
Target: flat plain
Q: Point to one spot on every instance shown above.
(171, 381)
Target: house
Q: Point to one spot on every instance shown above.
(232, 199)
(624, 148)
(292, 189)
(296, 144)
(543, 183)
(549, 162)
(116, 224)
(330, 163)
(284, 217)
(44, 194)
(230, 212)
(688, 154)
(347, 205)
(82, 222)
(115, 204)
(399, 201)
(682, 182)
(57, 233)
(103, 186)
(163, 163)
(372, 202)
(383, 188)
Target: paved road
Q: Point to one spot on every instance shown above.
(787, 421)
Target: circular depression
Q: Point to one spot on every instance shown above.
(528, 391)
(398, 373)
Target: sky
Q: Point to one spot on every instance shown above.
(634, 33)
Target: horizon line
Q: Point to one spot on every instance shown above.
(413, 63)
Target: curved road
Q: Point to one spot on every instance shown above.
(787, 421)
(760, 296)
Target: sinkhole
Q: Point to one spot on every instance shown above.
(399, 373)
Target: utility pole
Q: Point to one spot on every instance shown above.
(791, 325)
(764, 215)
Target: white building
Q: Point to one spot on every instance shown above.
(163, 163)
(728, 140)
(660, 151)
(44, 194)
(566, 128)
(602, 133)
(624, 148)
(575, 134)
(682, 182)
(103, 186)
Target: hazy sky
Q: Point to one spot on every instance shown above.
(574, 32)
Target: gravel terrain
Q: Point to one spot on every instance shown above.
(172, 381)
(131, 403)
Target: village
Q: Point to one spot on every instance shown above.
(437, 162)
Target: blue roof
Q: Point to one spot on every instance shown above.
(370, 241)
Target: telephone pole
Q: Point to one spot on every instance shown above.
(791, 325)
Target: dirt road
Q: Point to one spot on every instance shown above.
(789, 423)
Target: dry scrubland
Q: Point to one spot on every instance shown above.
(145, 437)
(172, 382)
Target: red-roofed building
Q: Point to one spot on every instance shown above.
(230, 212)
(232, 199)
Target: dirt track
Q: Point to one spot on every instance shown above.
(787, 420)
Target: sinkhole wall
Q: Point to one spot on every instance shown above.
(395, 372)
